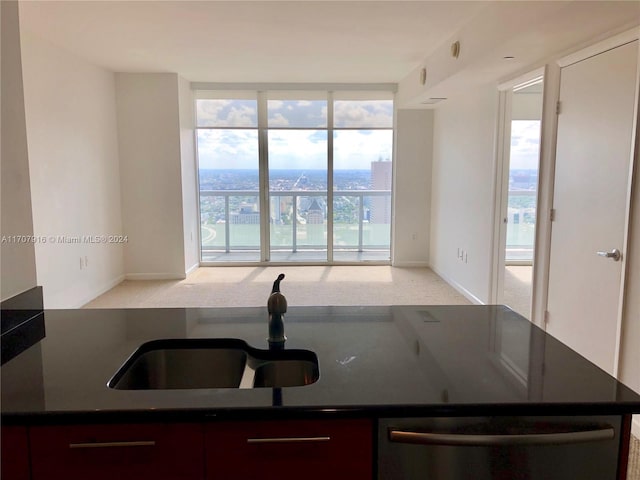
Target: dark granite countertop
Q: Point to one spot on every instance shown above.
(374, 361)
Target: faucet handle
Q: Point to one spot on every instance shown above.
(276, 284)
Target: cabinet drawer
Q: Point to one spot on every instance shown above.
(294, 449)
(136, 451)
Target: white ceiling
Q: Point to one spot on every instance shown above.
(303, 41)
(264, 41)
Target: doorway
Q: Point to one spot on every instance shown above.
(517, 192)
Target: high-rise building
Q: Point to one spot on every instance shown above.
(248, 215)
(315, 214)
(381, 175)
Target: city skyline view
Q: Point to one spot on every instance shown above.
(284, 179)
(298, 209)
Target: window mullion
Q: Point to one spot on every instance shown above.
(330, 177)
(263, 162)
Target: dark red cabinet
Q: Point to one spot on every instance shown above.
(123, 452)
(289, 450)
(286, 450)
(15, 453)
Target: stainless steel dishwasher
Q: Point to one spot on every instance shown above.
(499, 448)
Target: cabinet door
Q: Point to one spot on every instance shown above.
(289, 450)
(15, 453)
(123, 452)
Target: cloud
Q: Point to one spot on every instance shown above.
(366, 114)
(222, 149)
(525, 144)
(298, 113)
(226, 113)
(207, 111)
(356, 149)
(298, 149)
(278, 120)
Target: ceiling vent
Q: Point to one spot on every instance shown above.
(433, 100)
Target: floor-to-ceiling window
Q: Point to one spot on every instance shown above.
(298, 168)
(228, 171)
(295, 176)
(362, 176)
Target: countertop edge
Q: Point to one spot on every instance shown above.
(280, 413)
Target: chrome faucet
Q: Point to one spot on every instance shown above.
(277, 307)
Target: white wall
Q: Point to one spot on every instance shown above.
(462, 201)
(75, 191)
(17, 259)
(412, 177)
(191, 219)
(150, 174)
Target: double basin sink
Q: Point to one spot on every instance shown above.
(213, 363)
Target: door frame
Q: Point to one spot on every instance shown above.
(501, 179)
(595, 49)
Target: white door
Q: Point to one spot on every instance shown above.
(593, 153)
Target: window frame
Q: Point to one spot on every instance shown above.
(262, 96)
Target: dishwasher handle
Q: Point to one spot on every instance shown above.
(496, 440)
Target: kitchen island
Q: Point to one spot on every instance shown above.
(379, 369)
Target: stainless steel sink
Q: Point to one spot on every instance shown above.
(286, 373)
(213, 363)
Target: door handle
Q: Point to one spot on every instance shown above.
(614, 254)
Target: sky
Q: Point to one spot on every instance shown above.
(525, 144)
(304, 147)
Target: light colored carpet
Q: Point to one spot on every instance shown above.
(633, 472)
(303, 285)
(517, 289)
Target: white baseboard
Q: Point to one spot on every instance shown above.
(155, 276)
(410, 264)
(193, 268)
(99, 291)
(635, 426)
(468, 295)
